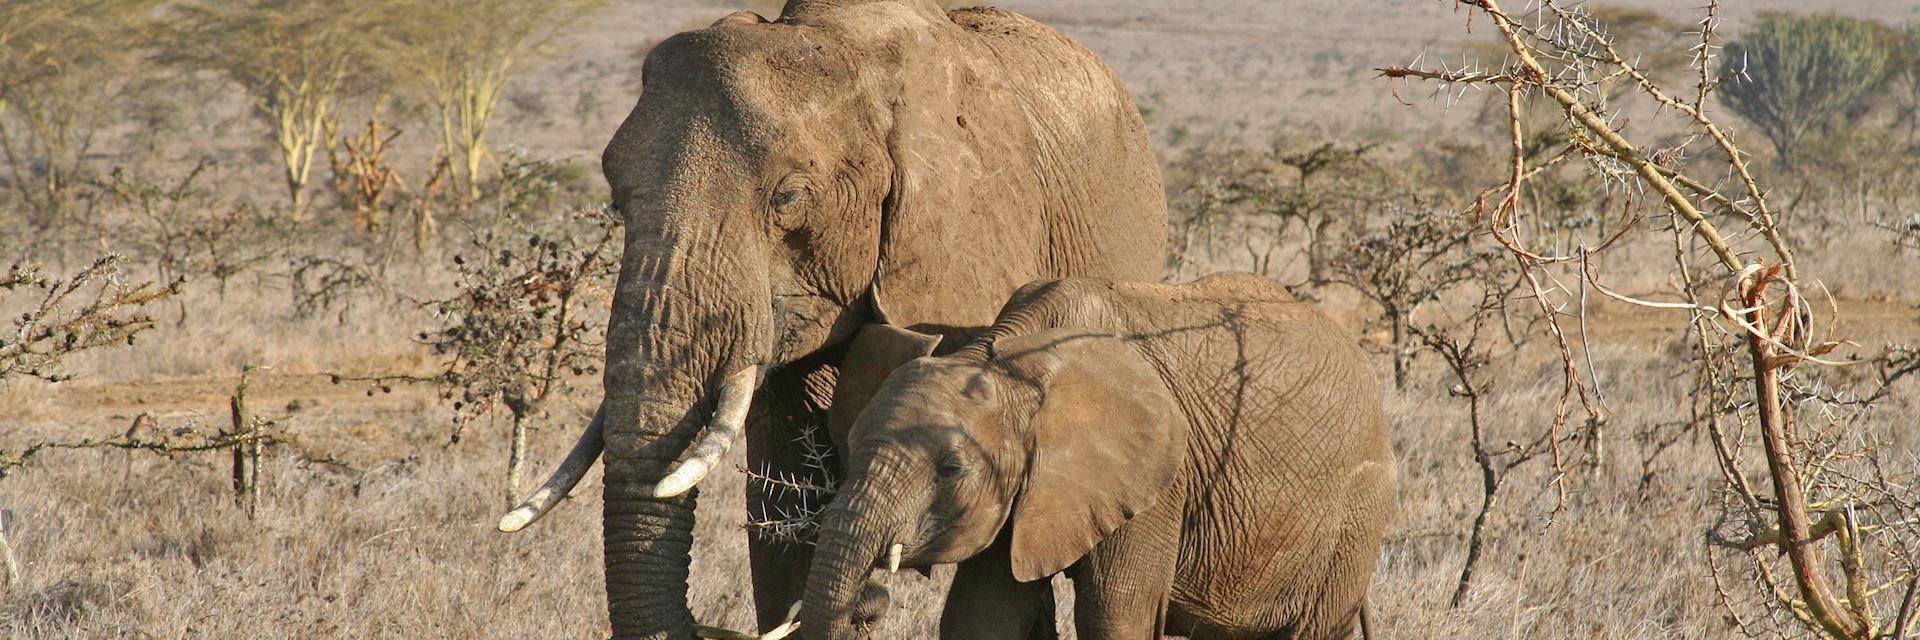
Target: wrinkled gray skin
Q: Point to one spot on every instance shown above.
(1207, 459)
(780, 179)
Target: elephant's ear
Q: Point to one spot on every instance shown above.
(1107, 440)
(959, 230)
(876, 351)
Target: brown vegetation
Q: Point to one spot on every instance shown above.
(1576, 464)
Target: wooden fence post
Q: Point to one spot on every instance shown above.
(246, 449)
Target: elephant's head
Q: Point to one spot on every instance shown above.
(776, 179)
(1060, 435)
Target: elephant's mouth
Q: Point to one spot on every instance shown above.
(897, 557)
(917, 550)
(803, 323)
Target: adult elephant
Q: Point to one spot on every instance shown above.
(783, 180)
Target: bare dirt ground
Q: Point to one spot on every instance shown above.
(376, 525)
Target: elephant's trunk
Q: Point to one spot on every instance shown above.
(855, 534)
(648, 535)
(691, 327)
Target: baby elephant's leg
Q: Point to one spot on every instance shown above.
(1120, 590)
(985, 602)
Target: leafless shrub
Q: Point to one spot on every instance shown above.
(95, 308)
(1324, 190)
(188, 230)
(1750, 318)
(529, 184)
(323, 282)
(1466, 357)
(1906, 233)
(1420, 255)
(525, 318)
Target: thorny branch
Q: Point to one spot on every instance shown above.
(94, 308)
(1758, 331)
(785, 507)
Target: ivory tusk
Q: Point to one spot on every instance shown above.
(893, 558)
(569, 473)
(777, 633)
(729, 418)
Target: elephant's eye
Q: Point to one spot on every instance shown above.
(948, 468)
(789, 198)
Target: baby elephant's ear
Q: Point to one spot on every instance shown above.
(875, 353)
(1108, 439)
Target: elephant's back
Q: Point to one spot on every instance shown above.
(1106, 211)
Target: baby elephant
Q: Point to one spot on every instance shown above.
(1207, 459)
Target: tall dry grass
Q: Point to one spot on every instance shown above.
(396, 540)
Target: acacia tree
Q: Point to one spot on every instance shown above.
(458, 56)
(1906, 69)
(1324, 189)
(63, 66)
(1793, 75)
(291, 57)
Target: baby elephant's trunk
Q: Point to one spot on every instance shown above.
(840, 602)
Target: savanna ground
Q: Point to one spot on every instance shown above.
(373, 522)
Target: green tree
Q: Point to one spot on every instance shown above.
(291, 56)
(64, 66)
(1904, 69)
(1794, 75)
(458, 56)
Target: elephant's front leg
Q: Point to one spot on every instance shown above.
(790, 455)
(985, 600)
(1121, 588)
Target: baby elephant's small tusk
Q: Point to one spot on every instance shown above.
(893, 557)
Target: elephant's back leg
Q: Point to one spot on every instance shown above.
(787, 439)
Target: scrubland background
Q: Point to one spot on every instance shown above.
(374, 521)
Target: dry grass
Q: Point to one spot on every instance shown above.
(399, 542)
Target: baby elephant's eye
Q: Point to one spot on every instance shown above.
(947, 468)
